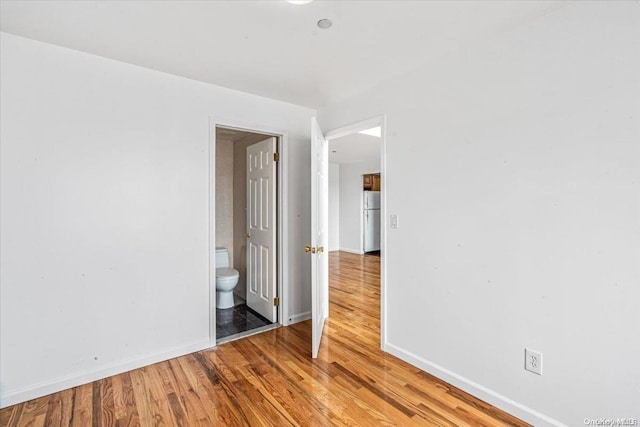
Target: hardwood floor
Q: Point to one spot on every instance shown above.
(270, 379)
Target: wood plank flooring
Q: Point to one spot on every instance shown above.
(270, 379)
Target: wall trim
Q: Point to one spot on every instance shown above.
(300, 317)
(481, 392)
(351, 251)
(12, 397)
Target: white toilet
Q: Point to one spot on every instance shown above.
(226, 279)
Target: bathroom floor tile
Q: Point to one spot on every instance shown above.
(230, 321)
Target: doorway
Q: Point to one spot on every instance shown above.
(246, 252)
(357, 152)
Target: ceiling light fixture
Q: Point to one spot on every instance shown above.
(376, 131)
(299, 2)
(325, 23)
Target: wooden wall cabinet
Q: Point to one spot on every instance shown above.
(371, 182)
(367, 182)
(376, 182)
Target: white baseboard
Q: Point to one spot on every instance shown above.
(351, 251)
(300, 317)
(483, 393)
(11, 397)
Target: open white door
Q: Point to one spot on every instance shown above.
(319, 224)
(261, 231)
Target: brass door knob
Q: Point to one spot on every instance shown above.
(248, 235)
(320, 249)
(311, 249)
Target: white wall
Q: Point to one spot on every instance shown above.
(525, 152)
(334, 206)
(105, 213)
(351, 194)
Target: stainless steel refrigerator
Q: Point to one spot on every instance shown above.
(371, 217)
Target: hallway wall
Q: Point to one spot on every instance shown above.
(334, 206)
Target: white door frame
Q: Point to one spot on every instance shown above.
(372, 122)
(283, 231)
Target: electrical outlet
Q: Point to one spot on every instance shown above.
(533, 361)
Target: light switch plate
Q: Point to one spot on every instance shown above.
(394, 220)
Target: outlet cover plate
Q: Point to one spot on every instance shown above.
(533, 361)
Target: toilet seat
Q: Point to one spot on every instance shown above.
(227, 273)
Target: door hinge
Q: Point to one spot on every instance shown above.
(276, 302)
(276, 157)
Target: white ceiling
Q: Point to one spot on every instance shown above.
(354, 148)
(271, 48)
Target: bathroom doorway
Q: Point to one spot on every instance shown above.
(246, 221)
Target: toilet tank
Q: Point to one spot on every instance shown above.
(222, 258)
